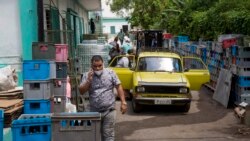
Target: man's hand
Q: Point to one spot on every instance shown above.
(123, 107)
(90, 75)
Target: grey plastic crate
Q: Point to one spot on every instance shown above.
(82, 126)
(243, 71)
(89, 42)
(59, 104)
(243, 62)
(60, 86)
(242, 90)
(32, 116)
(245, 98)
(61, 70)
(38, 90)
(244, 41)
(43, 50)
(243, 52)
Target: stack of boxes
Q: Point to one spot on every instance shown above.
(45, 82)
(45, 79)
(231, 52)
(241, 57)
(182, 44)
(85, 52)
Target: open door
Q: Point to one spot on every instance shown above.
(123, 66)
(196, 72)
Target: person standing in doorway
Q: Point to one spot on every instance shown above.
(121, 36)
(100, 83)
(92, 26)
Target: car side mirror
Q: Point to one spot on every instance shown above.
(186, 69)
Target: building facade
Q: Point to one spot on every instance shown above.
(27, 21)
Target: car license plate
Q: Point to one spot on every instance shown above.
(163, 102)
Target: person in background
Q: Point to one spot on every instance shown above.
(121, 36)
(100, 82)
(115, 49)
(125, 60)
(126, 46)
(92, 26)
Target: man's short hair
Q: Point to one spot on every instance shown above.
(96, 58)
(130, 51)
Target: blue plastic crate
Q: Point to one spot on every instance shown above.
(204, 58)
(39, 70)
(193, 49)
(203, 52)
(222, 63)
(37, 106)
(234, 50)
(31, 129)
(243, 81)
(182, 38)
(1, 124)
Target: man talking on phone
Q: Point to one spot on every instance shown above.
(100, 83)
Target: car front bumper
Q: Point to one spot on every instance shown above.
(162, 101)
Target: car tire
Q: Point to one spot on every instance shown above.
(186, 107)
(137, 108)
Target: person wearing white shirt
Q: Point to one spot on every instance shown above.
(124, 61)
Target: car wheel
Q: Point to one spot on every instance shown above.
(186, 107)
(137, 108)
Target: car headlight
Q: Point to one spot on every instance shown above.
(140, 89)
(183, 90)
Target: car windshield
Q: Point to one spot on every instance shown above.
(159, 64)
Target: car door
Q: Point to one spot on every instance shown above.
(125, 74)
(196, 72)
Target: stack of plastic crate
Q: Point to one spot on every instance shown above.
(60, 83)
(45, 79)
(86, 51)
(241, 53)
(214, 64)
(38, 86)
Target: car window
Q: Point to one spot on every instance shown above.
(122, 62)
(193, 63)
(159, 64)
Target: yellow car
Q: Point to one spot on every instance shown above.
(161, 78)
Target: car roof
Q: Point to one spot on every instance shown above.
(159, 54)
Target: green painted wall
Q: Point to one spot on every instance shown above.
(29, 26)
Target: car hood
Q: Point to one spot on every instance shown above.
(160, 77)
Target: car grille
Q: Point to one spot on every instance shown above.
(161, 89)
